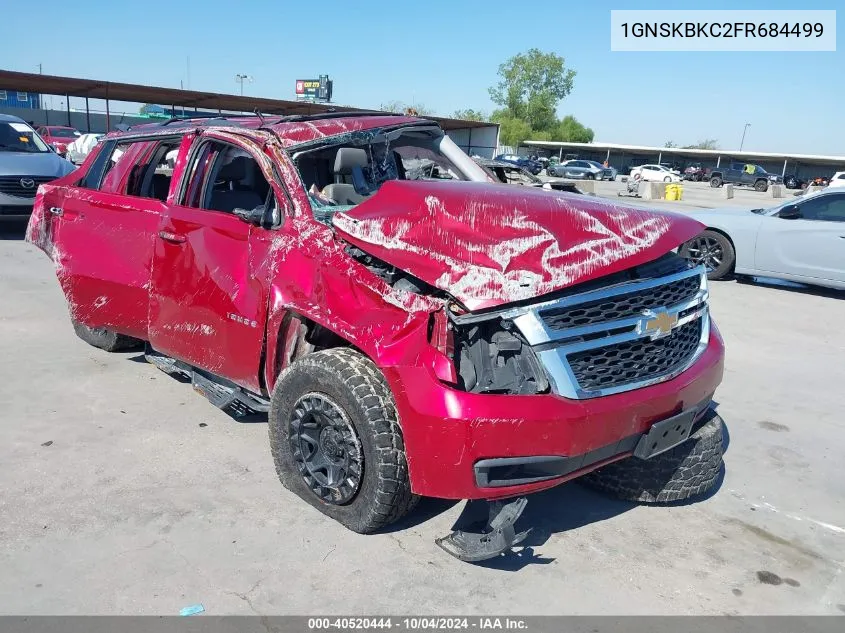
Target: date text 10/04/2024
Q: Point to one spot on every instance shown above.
(417, 623)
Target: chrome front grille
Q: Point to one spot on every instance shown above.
(620, 337)
(622, 306)
(636, 360)
(22, 186)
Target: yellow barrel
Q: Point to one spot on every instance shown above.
(674, 192)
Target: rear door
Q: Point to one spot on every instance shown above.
(812, 247)
(208, 306)
(103, 230)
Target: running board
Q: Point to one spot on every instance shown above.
(498, 537)
(222, 393)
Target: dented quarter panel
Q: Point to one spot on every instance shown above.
(489, 245)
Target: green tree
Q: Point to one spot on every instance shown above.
(670, 144)
(400, 107)
(710, 143)
(469, 115)
(570, 130)
(531, 85)
(512, 130)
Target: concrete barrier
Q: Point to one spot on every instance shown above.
(729, 191)
(777, 191)
(587, 186)
(653, 190)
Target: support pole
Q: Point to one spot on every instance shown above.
(718, 161)
(108, 117)
(87, 116)
(67, 103)
(783, 173)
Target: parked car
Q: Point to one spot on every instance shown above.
(838, 179)
(794, 182)
(696, 172)
(530, 164)
(608, 173)
(581, 169)
(58, 137)
(745, 174)
(675, 168)
(510, 174)
(795, 240)
(655, 173)
(407, 337)
(81, 147)
(26, 162)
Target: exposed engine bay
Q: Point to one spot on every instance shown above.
(490, 356)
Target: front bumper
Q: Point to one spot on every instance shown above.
(448, 432)
(14, 206)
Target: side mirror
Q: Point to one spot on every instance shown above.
(252, 216)
(790, 212)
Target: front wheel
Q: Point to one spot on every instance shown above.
(713, 250)
(591, 176)
(336, 440)
(761, 185)
(667, 179)
(715, 182)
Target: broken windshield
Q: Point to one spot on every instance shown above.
(350, 168)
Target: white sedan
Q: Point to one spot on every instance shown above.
(655, 173)
(799, 240)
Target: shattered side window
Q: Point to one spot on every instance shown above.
(124, 166)
(341, 174)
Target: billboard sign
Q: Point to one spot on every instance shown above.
(314, 89)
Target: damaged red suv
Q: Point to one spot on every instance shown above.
(408, 336)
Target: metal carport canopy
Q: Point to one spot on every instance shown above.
(137, 93)
(679, 151)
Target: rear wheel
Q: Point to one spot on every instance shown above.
(713, 250)
(105, 339)
(688, 470)
(715, 181)
(336, 440)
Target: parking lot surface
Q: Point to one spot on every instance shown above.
(126, 493)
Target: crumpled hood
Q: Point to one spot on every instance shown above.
(489, 245)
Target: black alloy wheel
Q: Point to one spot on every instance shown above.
(326, 449)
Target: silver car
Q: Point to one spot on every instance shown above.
(26, 161)
(798, 240)
(585, 169)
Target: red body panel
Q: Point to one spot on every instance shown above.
(212, 290)
(489, 244)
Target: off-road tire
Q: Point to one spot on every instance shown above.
(104, 339)
(715, 182)
(761, 186)
(357, 386)
(688, 470)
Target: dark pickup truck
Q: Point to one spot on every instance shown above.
(743, 174)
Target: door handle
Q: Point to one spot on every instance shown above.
(173, 238)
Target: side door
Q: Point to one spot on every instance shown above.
(208, 308)
(103, 234)
(810, 246)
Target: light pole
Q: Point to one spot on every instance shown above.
(742, 142)
(239, 78)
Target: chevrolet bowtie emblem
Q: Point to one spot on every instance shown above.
(658, 323)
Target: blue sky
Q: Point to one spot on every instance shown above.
(445, 54)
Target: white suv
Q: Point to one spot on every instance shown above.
(838, 180)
